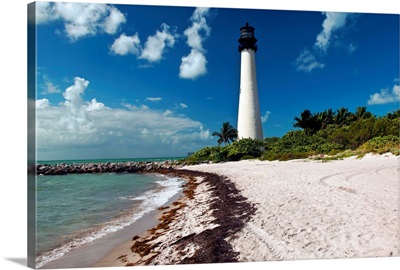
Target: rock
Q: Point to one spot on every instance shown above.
(59, 172)
(132, 169)
(109, 167)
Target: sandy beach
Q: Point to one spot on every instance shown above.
(270, 211)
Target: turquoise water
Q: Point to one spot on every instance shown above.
(75, 209)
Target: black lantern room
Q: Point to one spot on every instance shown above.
(247, 39)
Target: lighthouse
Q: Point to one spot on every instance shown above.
(249, 118)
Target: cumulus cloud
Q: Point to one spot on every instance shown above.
(167, 112)
(93, 105)
(332, 22)
(42, 103)
(81, 19)
(153, 99)
(194, 64)
(126, 45)
(385, 96)
(265, 117)
(113, 21)
(199, 27)
(307, 62)
(153, 49)
(77, 128)
(183, 105)
(155, 45)
(73, 94)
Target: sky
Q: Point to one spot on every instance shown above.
(127, 81)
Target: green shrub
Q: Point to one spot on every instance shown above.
(380, 145)
(244, 147)
(329, 147)
(205, 154)
(367, 134)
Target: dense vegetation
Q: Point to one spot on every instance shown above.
(325, 132)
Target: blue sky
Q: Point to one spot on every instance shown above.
(120, 81)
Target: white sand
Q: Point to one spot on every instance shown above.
(312, 209)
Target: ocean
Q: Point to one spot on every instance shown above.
(76, 209)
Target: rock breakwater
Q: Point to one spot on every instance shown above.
(109, 167)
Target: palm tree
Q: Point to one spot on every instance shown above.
(307, 121)
(342, 117)
(361, 113)
(326, 118)
(393, 115)
(227, 134)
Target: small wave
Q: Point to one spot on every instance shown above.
(90, 237)
(151, 200)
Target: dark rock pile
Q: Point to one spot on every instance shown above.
(109, 167)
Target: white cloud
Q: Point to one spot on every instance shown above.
(42, 103)
(194, 64)
(384, 96)
(49, 87)
(45, 12)
(167, 113)
(153, 49)
(81, 19)
(77, 128)
(192, 139)
(199, 26)
(307, 62)
(332, 22)
(153, 99)
(73, 94)
(126, 45)
(183, 105)
(94, 106)
(113, 21)
(155, 45)
(199, 13)
(145, 131)
(265, 117)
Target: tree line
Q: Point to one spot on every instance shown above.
(327, 132)
(348, 130)
(313, 122)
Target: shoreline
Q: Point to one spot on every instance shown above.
(253, 211)
(195, 229)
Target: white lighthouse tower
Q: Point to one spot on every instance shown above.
(249, 118)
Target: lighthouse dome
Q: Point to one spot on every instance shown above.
(247, 39)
